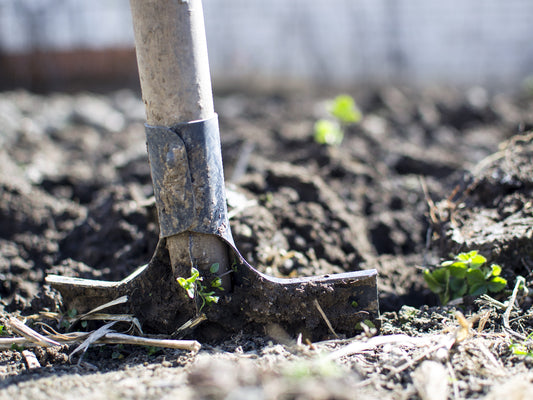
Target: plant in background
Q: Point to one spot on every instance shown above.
(465, 274)
(343, 111)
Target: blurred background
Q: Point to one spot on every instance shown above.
(78, 44)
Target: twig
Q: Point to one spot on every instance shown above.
(190, 324)
(11, 342)
(31, 359)
(431, 204)
(324, 316)
(120, 300)
(483, 319)
(22, 329)
(108, 338)
(120, 338)
(92, 338)
(506, 315)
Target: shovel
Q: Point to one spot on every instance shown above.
(196, 273)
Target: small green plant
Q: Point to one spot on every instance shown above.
(193, 285)
(519, 349)
(328, 132)
(343, 111)
(152, 350)
(17, 347)
(465, 274)
(367, 323)
(70, 314)
(522, 349)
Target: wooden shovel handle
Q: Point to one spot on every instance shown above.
(172, 58)
(176, 87)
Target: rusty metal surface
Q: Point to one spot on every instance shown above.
(188, 179)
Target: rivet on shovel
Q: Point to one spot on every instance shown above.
(186, 166)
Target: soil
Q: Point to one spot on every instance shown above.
(426, 174)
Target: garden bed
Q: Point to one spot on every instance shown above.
(425, 174)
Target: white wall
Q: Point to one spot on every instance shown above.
(326, 41)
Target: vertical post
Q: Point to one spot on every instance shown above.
(176, 87)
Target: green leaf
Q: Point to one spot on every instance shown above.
(458, 269)
(477, 261)
(478, 289)
(152, 350)
(472, 258)
(434, 285)
(497, 284)
(475, 276)
(447, 263)
(444, 297)
(216, 283)
(194, 274)
(187, 285)
(16, 347)
(211, 299)
(496, 269)
(464, 256)
(458, 287)
(214, 268)
(442, 275)
(328, 132)
(345, 110)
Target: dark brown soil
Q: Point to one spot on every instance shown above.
(76, 200)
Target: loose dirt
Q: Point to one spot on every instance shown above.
(425, 174)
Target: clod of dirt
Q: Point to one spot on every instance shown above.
(493, 210)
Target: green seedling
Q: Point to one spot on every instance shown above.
(343, 111)
(519, 349)
(16, 347)
(522, 349)
(70, 314)
(328, 132)
(367, 323)
(465, 274)
(189, 284)
(152, 350)
(193, 285)
(217, 284)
